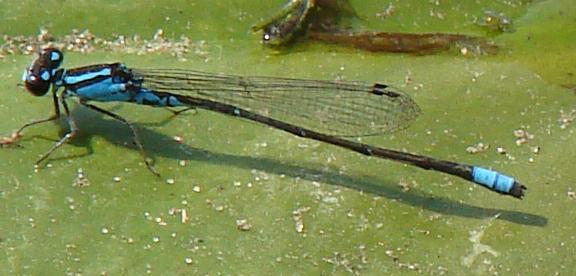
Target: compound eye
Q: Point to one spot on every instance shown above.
(37, 81)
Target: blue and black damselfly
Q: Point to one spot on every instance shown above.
(321, 110)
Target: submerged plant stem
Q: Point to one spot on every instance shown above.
(425, 43)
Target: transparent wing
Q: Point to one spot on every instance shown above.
(334, 108)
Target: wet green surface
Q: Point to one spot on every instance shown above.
(359, 214)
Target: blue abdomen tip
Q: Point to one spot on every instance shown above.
(492, 180)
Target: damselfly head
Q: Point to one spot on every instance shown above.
(40, 75)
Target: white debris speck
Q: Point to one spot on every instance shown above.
(522, 136)
(477, 148)
(184, 216)
(243, 225)
(172, 211)
(330, 199)
(571, 194)
(299, 226)
(566, 118)
(81, 180)
(297, 216)
(80, 173)
(388, 11)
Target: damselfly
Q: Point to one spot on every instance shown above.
(321, 110)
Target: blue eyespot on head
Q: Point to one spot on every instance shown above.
(40, 75)
(53, 57)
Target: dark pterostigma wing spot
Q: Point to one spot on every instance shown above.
(380, 89)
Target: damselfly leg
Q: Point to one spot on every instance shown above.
(68, 136)
(135, 135)
(180, 111)
(16, 135)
